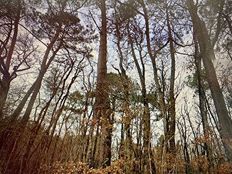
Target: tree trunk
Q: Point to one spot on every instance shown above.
(126, 144)
(207, 53)
(6, 78)
(4, 88)
(102, 106)
(34, 89)
(202, 102)
(172, 108)
(146, 165)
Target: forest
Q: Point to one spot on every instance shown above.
(115, 86)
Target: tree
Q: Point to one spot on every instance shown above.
(62, 29)
(207, 52)
(14, 50)
(102, 109)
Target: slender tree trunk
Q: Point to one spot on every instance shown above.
(126, 143)
(146, 113)
(152, 56)
(170, 130)
(202, 103)
(208, 55)
(183, 132)
(172, 108)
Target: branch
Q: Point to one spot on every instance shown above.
(33, 35)
(91, 15)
